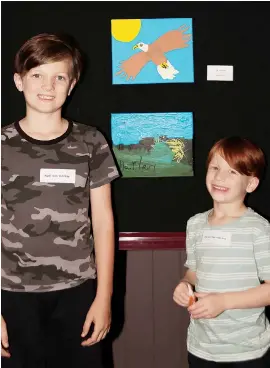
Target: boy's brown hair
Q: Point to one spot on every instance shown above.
(241, 154)
(45, 48)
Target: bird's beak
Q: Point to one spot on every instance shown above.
(134, 47)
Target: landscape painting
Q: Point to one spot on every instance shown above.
(153, 144)
(150, 51)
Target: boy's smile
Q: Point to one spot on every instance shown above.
(45, 97)
(219, 188)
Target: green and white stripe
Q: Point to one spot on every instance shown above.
(243, 263)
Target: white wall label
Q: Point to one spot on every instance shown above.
(220, 72)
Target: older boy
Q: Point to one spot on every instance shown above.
(52, 168)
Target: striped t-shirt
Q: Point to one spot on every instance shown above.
(229, 258)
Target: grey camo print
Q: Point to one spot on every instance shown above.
(46, 232)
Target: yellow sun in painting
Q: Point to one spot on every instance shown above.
(125, 30)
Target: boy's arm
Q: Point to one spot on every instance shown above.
(190, 277)
(190, 264)
(103, 232)
(259, 296)
(213, 304)
(102, 172)
(253, 298)
(181, 293)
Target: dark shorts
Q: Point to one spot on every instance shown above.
(45, 328)
(195, 362)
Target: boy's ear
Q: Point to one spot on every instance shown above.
(252, 185)
(18, 82)
(73, 83)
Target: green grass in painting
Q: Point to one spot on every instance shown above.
(156, 163)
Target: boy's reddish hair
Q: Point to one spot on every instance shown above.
(45, 48)
(241, 154)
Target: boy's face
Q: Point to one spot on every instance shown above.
(225, 184)
(46, 86)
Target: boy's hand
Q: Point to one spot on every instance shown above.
(208, 306)
(180, 295)
(100, 315)
(4, 339)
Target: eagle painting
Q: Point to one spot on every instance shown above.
(156, 53)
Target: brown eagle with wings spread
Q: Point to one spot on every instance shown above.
(155, 52)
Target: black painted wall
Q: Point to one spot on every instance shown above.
(224, 33)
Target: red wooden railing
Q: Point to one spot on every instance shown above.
(152, 240)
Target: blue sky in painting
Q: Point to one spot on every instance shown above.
(131, 128)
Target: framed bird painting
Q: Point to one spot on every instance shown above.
(153, 144)
(150, 51)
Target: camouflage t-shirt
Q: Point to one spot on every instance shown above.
(46, 231)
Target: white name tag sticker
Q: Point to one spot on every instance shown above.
(217, 237)
(57, 176)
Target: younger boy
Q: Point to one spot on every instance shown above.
(52, 313)
(228, 261)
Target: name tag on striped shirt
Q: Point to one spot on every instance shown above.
(217, 237)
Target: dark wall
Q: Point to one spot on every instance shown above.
(223, 33)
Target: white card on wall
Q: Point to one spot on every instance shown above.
(220, 72)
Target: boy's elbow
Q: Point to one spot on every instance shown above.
(190, 276)
(267, 282)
